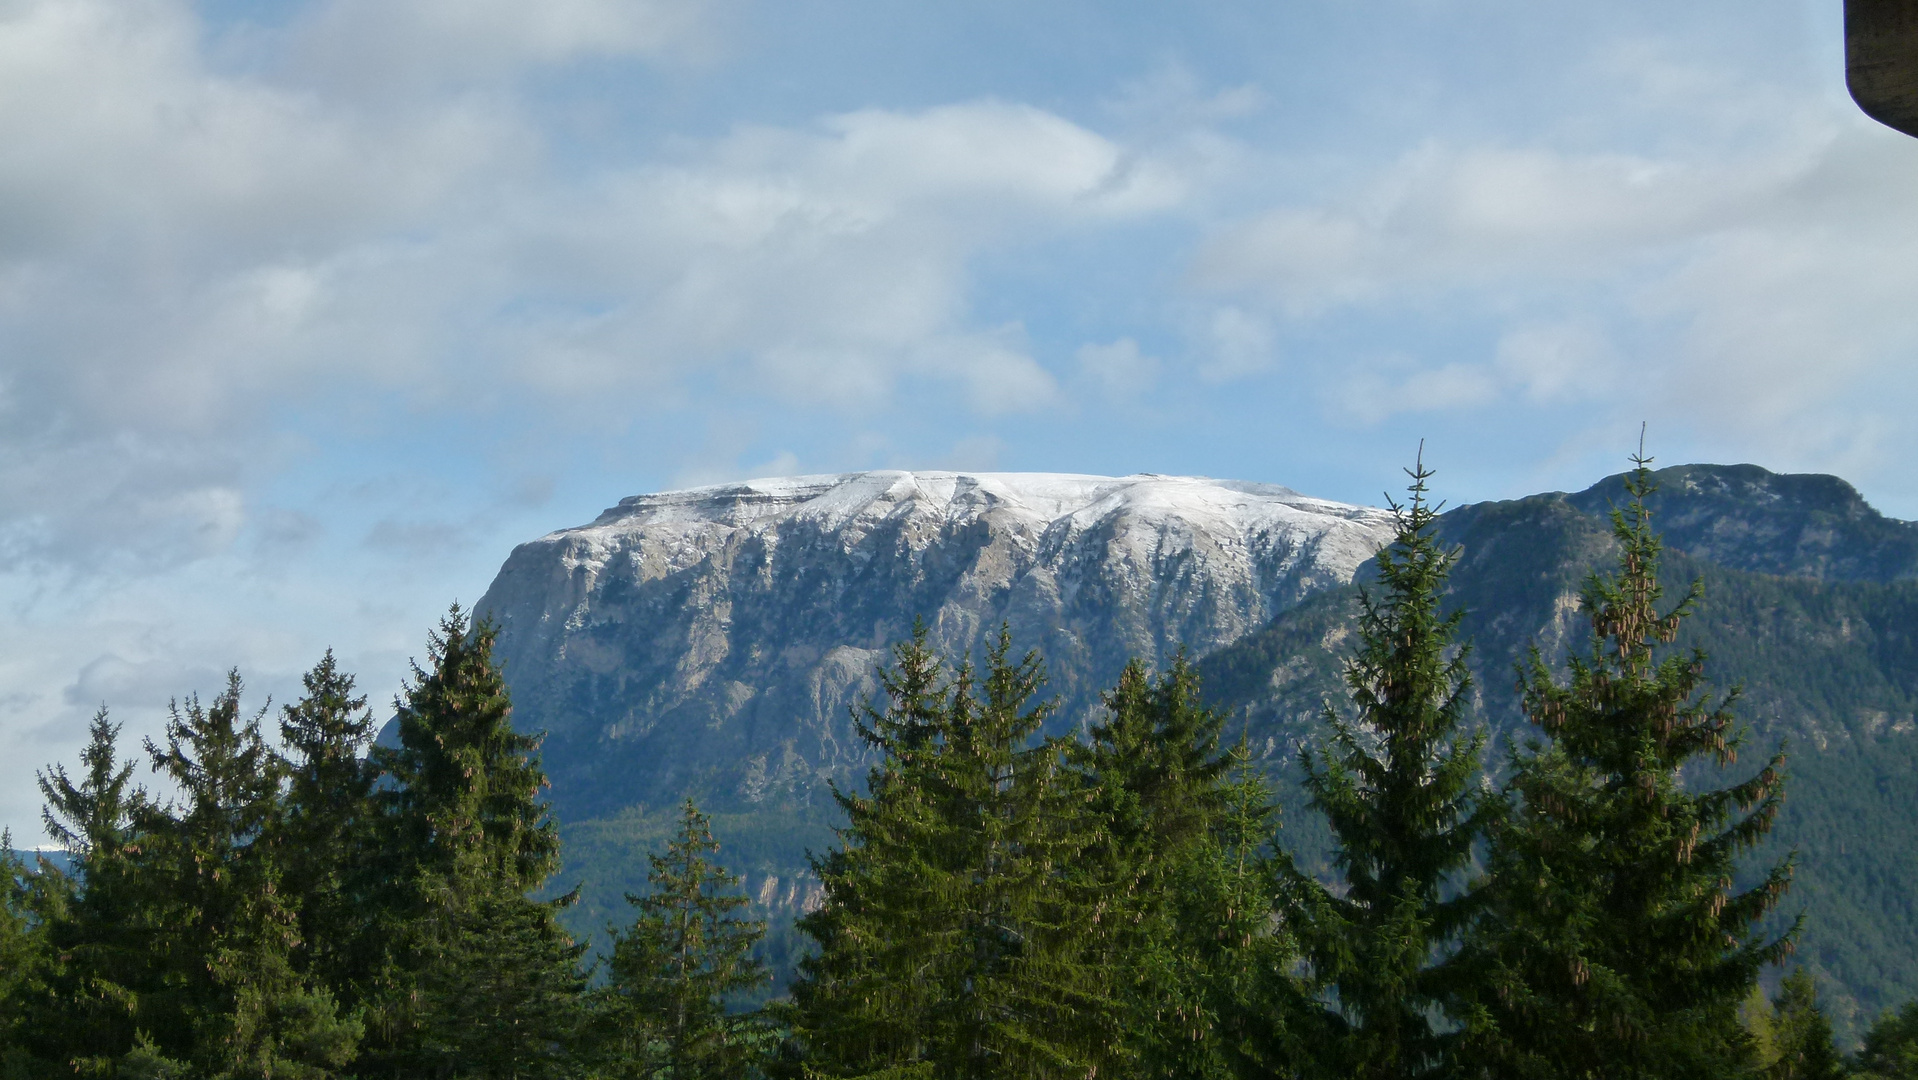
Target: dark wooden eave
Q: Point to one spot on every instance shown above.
(1881, 60)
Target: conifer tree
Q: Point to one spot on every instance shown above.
(104, 934)
(1398, 786)
(229, 1001)
(23, 953)
(1890, 1051)
(957, 938)
(480, 978)
(324, 835)
(1616, 944)
(1186, 890)
(859, 1003)
(1235, 1001)
(1801, 1037)
(673, 971)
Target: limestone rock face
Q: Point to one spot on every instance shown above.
(711, 641)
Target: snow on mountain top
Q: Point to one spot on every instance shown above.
(1140, 521)
(836, 499)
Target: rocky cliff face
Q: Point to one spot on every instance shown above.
(710, 641)
(1745, 518)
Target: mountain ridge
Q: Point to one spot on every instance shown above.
(1826, 661)
(710, 641)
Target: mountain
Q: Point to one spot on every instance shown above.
(710, 642)
(1825, 656)
(1744, 518)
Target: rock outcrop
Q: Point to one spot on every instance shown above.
(711, 641)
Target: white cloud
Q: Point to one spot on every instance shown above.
(1119, 370)
(1755, 289)
(833, 259)
(1557, 361)
(201, 243)
(996, 373)
(187, 237)
(1455, 218)
(1533, 363)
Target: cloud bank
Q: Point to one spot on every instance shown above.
(308, 313)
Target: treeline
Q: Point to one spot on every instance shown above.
(1002, 902)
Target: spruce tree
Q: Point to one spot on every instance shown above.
(1186, 889)
(104, 936)
(1616, 944)
(323, 837)
(1890, 1051)
(1398, 785)
(480, 979)
(1801, 1038)
(230, 1001)
(24, 958)
(958, 937)
(1236, 1001)
(673, 971)
(860, 1000)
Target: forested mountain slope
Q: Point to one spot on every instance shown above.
(1826, 659)
(708, 643)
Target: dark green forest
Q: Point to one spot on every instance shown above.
(1590, 889)
(1828, 668)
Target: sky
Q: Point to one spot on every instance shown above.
(310, 311)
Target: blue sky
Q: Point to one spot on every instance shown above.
(310, 311)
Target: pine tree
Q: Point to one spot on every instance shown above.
(674, 969)
(1398, 786)
(1187, 892)
(480, 979)
(957, 938)
(1616, 944)
(323, 838)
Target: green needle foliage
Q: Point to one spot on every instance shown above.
(1891, 1047)
(1617, 945)
(228, 1000)
(481, 980)
(1187, 885)
(1797, 1035)
(104, 942)
(674, 969)
(171, 950)
(957, 938)
(324, 828)
(1399, 787)
(299, 919)
(25, 904)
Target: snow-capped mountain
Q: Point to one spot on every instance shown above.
(711, 640)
